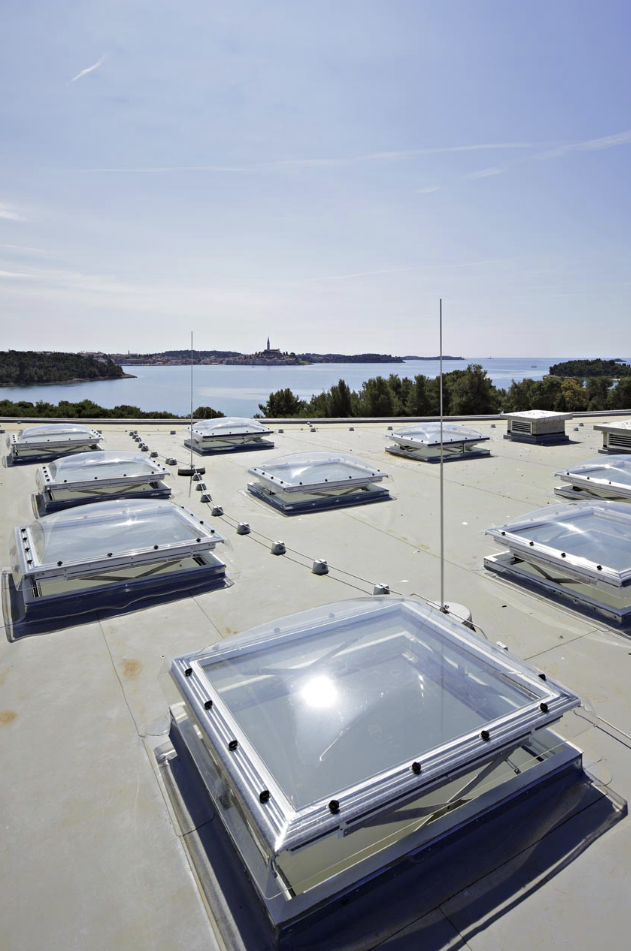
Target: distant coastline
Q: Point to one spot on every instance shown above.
(55, 368)
(269, 357)
(72, 382)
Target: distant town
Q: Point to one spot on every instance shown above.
(269, 356)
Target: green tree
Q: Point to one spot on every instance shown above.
(573, 397)
(376, 398)
(341, 400)
(598, 392)
(207, 412)
(472, 393)
(282, 404)
(417, 402)
(620, 395)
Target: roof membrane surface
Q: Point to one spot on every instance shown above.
(94, 855)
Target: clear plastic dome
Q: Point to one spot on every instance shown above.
(428, 434)
(98, 466)
(317, 469)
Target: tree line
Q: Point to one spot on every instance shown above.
(86, 409)
(467, 392)
(583, 369)
(27, 367)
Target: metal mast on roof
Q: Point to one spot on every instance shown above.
(191, 436)
(443, 607)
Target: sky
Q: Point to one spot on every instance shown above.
(320, 173)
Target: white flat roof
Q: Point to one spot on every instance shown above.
(93, 857)
(537, 414)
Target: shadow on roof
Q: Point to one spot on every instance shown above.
(482, 870)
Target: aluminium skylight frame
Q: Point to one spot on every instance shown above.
(134, 462)
(350, 482)
(228, 434)
(597, 478)
(47, 589)
(54, 440)
(283, 848)
(94, 479)
(422, 442)
(591, 570)
(281, 826)
(30, 568)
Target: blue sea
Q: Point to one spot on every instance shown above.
(238, 390)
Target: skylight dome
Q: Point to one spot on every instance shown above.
(335, 742)
(616, 435)
(86, 477)
(38, 443)
(110, 555)
(228, 433)
(310, 481)
(537, 426)
(598, 478)
(580, 552)
(422, 441)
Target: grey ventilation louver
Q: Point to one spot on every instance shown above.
(110, 555)
(226, 434)
(422, 442)
(41, 443)
(597, 479)
(311, 481)
(334, 743)
(616, 435)
(537, 426)
(578, 552)
(86, 477)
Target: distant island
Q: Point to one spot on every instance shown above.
(445, 357)
(30, 367)
(582, 369)
(268, 357)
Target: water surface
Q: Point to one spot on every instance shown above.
(237, 390)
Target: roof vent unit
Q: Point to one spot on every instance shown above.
(597, 479)
(41, 443)
(338, 742)
(616, 435)
(537, 426)
(226, 434)
(578, 553)
(99, 476)
(422, 442)
(108, 556)
(311, 481)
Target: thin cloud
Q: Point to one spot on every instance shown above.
(418, 268)
(23, 250)
(10, 214)
(486, 172)
(356, 274)
(324, 162)
(590, 145)
(88, 69)
(428, 190)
